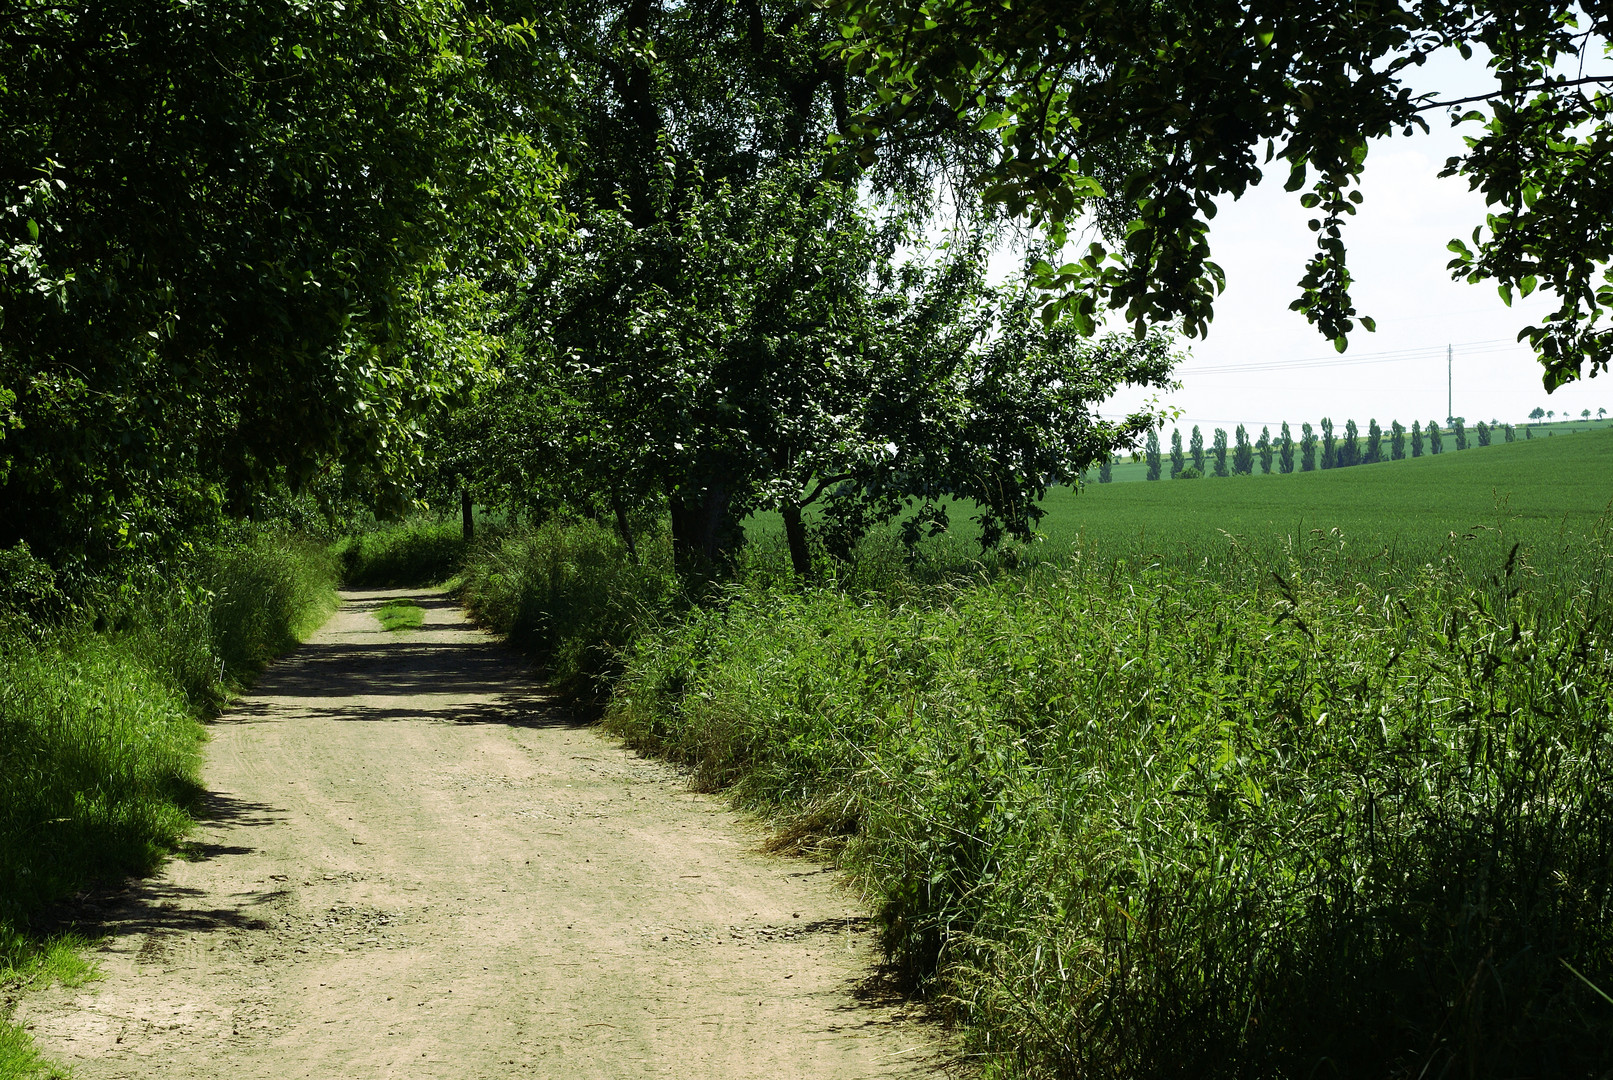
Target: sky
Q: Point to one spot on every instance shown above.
(1397, 252)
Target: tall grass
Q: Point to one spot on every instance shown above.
(572, 596)
(99, 732)
(419, 551)
(1129, 821)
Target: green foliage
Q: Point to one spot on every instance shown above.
(1459, 430)
(1286, 451)
(1482, 431)
(1330, 450)
(98, 736)
(1436, 438)
(1196, 448)
(1152, 453)
(417, 551)
(1307, 449)
(1178, 458)
(259, 260)
(1126, 821)
(1416, 439)
(1243, 453)
(1397, 440)
(1147, 117)
(1219, 451)
(572, 596)
(1190, 473)
(1267, 451)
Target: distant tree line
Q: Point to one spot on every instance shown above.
(1309, 452)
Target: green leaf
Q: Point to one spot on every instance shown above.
(33, 229)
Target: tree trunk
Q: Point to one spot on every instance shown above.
(795, 536)
(704, 534)
(622, 526)
(466, 519)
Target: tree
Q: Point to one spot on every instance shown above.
(1196, 445)
(1374, 449)
(1178, 458)
(1330, 454)
(245, 248)
(1459, 429)
(1537, 413)
(1397, 441)
(1585, 414)
(1510, 433)
(1266, 451)
(1285, 451)
(1243, 454)
(1601, 413)
(1483, 433)
(1152, 453)
(1307, 449)
(1436, 442)
(1149, 116)
(1416, 439)
(1106, 470)
(1220, 451)
(1350, 446)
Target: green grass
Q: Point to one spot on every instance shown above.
(1542, 488)
(1125, 821)
(99, 728)
(400, 614)
(571, 596)
(1255, 777)
(419, 551)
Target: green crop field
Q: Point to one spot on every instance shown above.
(1535, 491)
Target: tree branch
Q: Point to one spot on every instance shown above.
(1601, 79)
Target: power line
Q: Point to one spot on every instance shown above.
(1427, 352)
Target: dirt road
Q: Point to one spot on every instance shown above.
(414, 864)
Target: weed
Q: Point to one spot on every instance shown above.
(400, 614)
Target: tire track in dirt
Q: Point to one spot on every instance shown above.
(413, 863)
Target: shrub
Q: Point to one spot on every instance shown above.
(571, 595)
(420, 551)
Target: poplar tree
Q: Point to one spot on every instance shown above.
(1459, 429)
(1330, 449)
(1265, 448)
(1397, 441)
(1243, 454)
(1196, 446)
(1178, 458)
(1483, 433)
(1416, 438)
(1106, 471)
(1509, 433)
(1436, 442)
(1350, 446)
(1220, 449)
(1151, 451)
(1285, 451)
(1307, 449)
(1374, 453)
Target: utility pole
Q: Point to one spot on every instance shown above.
(1450, 410)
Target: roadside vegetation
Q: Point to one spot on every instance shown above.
(102, 690)
(1191, 803)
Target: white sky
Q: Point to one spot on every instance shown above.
(1397, 255)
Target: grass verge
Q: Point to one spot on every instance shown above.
(99, 731)
(1129, 822)
(419, 551)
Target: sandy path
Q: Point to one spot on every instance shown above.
(414, 865)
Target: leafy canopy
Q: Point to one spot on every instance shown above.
(1148, 114)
